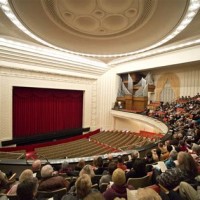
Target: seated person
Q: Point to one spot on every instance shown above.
(83, 187)
(36, 167)
(120, 163)
(80, 165)
(87, 169)
(94, 196)
(66, 169)
(99, 166)
(170, 161)
(108, 177)
(26, 174)
(185, 171)
(162, 147)
(4, 182)
(51, 181)
(149, 158)
(165, 155)
(138, 170)
(27, 189)
(186, 191)
(134, 155)
(147, 193)
(119, 186)
(108, 160)
(157, 155)
(149, 161)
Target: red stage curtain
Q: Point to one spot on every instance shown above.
(37, 111)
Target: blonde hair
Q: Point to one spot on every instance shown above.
(118, 177)
(147, 194)
(83, 186)
(87, 169)
(26, 174)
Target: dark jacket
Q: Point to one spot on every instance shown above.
(116, 191)
(52, 183)
(172, 178)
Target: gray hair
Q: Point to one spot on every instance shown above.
(46, 171)
(65, 164)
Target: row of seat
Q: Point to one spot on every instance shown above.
(13, 155)
(101, 143)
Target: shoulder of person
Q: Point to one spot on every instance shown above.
(69, 197)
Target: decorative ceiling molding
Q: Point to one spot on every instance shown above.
(127, 39)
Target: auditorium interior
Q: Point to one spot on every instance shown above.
(107, 51)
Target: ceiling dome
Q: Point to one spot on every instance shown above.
(100, 27)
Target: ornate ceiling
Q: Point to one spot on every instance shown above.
(103, 29)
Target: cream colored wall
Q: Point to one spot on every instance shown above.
(133, 125)
(136, 122)
(107, 86)
(11, 77)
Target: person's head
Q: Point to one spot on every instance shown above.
(26, 174)
(110, 157)
(160, 145)
(139, 166)
(173, 155)
(95, 161)
(112, 167)
(147, 194)
(169, 148)
(46, 171)
(135, 154)
(87, 169)
(120, 159)
(99, 161)
(181, 142)
(149, 154)
(187, 163)
(65, 165)
(81, 163)
(158, 152)
(27, 189)
(196, 149)
(83, 186)
(36, 165)
(118, 177)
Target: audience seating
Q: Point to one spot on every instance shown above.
(55, 194)
(140, 182)
(165, 190)
(12, 155)
(101, 143)
(12, 196)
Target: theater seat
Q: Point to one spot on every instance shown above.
(139, 182)
(55, 194)
(12, 196)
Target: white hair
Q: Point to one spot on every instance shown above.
(46, 171)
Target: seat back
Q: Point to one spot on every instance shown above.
(12, 196)
(55, 194)
(140, 182)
